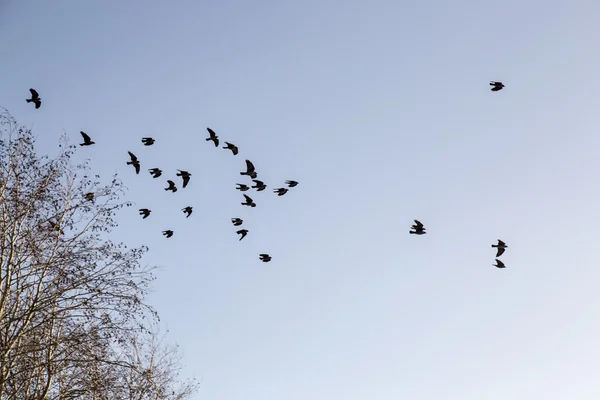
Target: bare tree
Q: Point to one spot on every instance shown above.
(69, 297)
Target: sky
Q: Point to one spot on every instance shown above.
(382, 111)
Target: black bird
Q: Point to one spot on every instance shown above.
(496, 86)
(155, 172)
(171, 187)
(35, 98)
(237, 221)
(89, 196)
(501, 247)
(188, 211)
(145, 212)
(242, 232)
(134, 161)
(213, 137)
(148, 141)
(168, 233)
(260, 186)
(185, 176)
(55, 227)
(242, 187)
(265, 257)
(232, 147)
(249, 202)
(499, 264)
(280, 191)
(87, 141)
(291, 183)
(418, 228)
(249, 170)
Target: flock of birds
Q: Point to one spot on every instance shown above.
(185, 177)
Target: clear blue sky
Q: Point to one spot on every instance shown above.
(382, 111)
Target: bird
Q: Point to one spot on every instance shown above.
(155, 172)
(185, 176)
(265, 257)
(250, 171)
(501, 247)
(237, 221)
(291, 183)
(87, 141)
(242, 232)
(241, 187)
(280, 191)
(418, 228)
(134, 161)
(187, 210)
(148, 141)
(249, 202)
(168, 233)
(499, 264)
(260, 186)
(145, 212)
(496, 86)
(171, 187)
(89, 196)
(232, 147)
(55, 227)
(35, 98)
(213, 137)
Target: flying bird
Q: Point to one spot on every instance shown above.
(155, 172)
(499, 264)
(185, 176)
(35, 98)
(237, 221)
(87, 141)
(291, 183)
(168, 233)
(187, 210)
(250, 171)
(171, 187)
(501, 247)
(249, 202)
(134, 161)
(242, 232)
(496, 86)
(213, 137)
(148, 141)
(417, 228)
(241, 187)
(265, 257)
(280, 191)
(145, 212)
(89, 196)
(232, 147)
(260, 186)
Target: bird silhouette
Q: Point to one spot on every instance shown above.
(280, 191)
(134, 161)
(232, 147)
(496, 86)
(185, 176)
(501, 247)
(237, 221)
(260, 185)
(250, 171)
(291, 183)
(242, 232)
(249, 202)
(148, 141)
(241, 187)
(145, 212)
(264, 257)
(499, 264)
(168, 233)
(35, 98)
(171, 187)
(155, 172)
(87, 141)
(89, 196)
(418, 228)
(187, 210)
(213, 137)
(56, 227)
